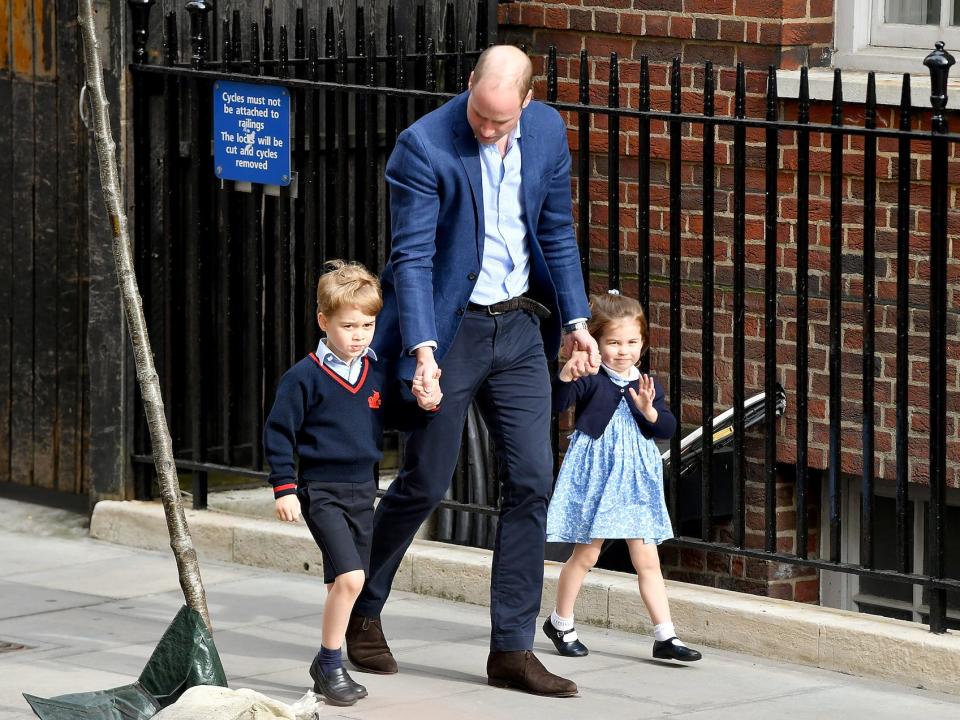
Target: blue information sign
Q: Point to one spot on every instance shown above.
(251, 132)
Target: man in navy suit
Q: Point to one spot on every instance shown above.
(484, 271)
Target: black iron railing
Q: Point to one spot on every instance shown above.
(227, 272)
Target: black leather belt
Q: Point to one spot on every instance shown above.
(521, 302)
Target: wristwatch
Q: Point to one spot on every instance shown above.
(573, 327)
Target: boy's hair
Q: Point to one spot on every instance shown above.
(348, 284)
(610, 307)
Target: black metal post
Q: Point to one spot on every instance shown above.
(236, 51)
(867, 501)
(904, 559)
(170, 246)
(341, 186)
(739, 289)
(643, 201)
(836, 298)
(268, 63)
(226, 54)
(939, 63)
(449, 47)
(198, 10)
(371, 254)
(482, 30)
(583, 171)
(140, 16)
(770, 317)
(552, 74)
(283, 65)
(676, 341)
(613, 177)
(419, 49)
(331, 100)
(359, 165)
(196, 198)
(803, 254)
(140, 21)
(706, 331)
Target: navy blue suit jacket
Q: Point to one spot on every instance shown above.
(436, 208)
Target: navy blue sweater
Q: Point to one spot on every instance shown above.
(597, 397)
(334, 427)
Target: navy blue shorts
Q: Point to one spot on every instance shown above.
(340, 518)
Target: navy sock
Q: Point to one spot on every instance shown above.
(329, 660)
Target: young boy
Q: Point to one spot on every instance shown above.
(328, 413)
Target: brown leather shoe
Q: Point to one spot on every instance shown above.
(522, 670)
(367, 648)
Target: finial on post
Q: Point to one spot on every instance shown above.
(939, 63)
(198, 10)
(140, 14)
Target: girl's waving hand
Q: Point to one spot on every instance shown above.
(643, 398)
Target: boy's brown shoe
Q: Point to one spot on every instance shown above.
(523, 671)
(367, 648)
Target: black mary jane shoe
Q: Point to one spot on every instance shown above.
(336, 686)
(668, 650)
(565, 641)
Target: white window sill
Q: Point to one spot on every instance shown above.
(854, 84)
(882, 59)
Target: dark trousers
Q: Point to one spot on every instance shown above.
(499, 361)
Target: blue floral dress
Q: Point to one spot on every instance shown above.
(610, 487)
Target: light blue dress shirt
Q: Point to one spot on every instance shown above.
(348, 371)
(505, 266)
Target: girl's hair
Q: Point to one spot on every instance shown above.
(348, 284)
(611, 307)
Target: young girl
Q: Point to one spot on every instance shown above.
(611, 481)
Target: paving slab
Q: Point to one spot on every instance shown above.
(839, 640)
(267, 630)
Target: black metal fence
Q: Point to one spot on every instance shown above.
(227, 271)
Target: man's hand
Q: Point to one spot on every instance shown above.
(288, 508)
(588, 360)
(426, 371)
(427, 400)
(573, 368)
(426, 385)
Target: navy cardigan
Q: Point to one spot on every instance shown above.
(334, 428)
(597, 398)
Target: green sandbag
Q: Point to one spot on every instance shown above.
(184, 657)
(129, 702)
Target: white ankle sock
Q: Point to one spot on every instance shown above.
(561, 623)
(664, 631)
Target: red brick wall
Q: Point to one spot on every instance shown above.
(757, 33)
(786, 33)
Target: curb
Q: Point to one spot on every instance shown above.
(847, 642)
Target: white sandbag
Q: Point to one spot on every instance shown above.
(208, 702)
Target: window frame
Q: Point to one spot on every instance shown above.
(883, 34)
(857, 49)
(842, 590)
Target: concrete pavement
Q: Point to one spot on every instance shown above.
(825, 638)
(90, 613)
